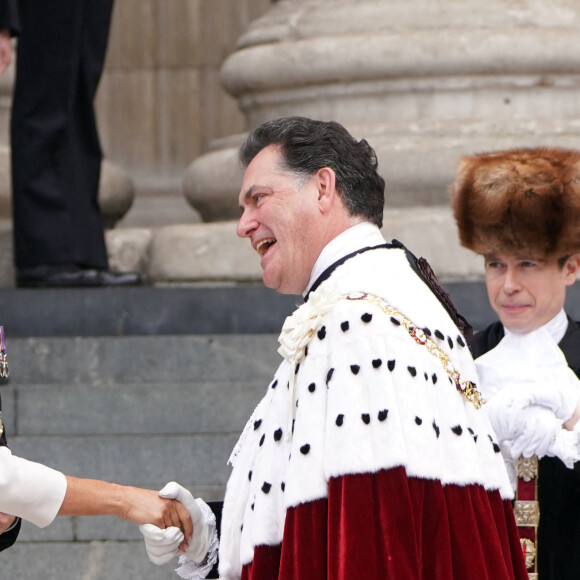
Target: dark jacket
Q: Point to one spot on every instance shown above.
(558, 486)
(9, 19)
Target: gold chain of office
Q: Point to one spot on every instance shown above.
(465, 387)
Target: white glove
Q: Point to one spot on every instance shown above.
(505, 408)
(561, 396)
(161, 545)
(540, 427)
(200, 541)
(504, 411)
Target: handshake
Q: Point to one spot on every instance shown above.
(170, 520)
(194, 535)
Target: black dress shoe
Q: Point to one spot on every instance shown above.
(73, 276)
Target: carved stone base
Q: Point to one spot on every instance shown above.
(425, 82)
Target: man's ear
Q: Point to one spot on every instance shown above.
(326, 183)
(572, 268)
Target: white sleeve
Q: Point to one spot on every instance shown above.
(30, 490)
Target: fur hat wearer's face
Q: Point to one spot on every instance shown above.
(519, 200)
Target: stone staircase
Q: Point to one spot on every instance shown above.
(139, 386)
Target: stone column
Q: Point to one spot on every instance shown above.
(424, 81)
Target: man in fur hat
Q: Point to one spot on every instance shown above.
(520, 209)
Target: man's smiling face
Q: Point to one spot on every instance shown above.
(280, 216)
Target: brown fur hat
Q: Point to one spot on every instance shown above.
(519, 200)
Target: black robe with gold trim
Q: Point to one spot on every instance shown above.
(558, 486)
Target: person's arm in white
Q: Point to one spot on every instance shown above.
(30, 490)
(38, 494)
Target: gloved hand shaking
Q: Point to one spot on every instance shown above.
(161, 545)
(200, 541)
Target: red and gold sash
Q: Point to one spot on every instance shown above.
(527, 511)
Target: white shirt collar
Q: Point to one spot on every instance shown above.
(362, 235)
(556, 327)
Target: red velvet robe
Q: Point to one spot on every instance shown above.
(432, 533)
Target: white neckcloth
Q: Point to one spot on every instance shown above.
(362, 235)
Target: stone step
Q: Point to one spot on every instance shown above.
(140, 386)
(143, 460)
(81, 560)
(179, 310)
(139, 410)
(147, 310)
(133, 409)
(140, 359)
(187, 310)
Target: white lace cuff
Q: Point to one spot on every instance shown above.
(567, 447)
(191, 569)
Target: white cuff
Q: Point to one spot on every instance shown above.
(30, 490)
(566, 447)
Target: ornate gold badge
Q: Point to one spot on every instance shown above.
(527, 468)
(529, 550)
(527, 513)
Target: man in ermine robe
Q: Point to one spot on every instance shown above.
(520, 210)
(368, 456)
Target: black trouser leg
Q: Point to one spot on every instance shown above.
(56, 154)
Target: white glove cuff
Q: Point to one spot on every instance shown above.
(202, 553)
(204, 526)
(566, 447)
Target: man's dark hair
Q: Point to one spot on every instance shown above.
(307, 145)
